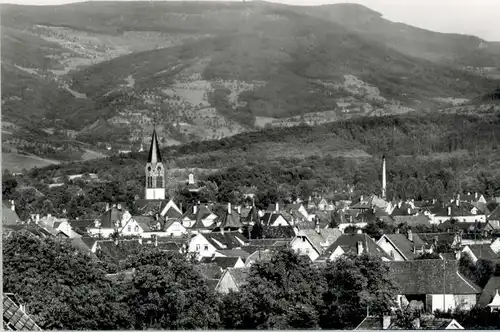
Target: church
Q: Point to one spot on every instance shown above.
(155, 198)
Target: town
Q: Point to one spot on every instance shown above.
(432, 264)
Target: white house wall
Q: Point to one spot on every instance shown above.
(201, 246)
(389, 249)
(226, 284)
(302, 246)
(176, 229)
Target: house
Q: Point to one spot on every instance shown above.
(9, 214)
(232, 280)
(198, 216)
(431, 285)
(224, 262)
(412, 220)
(171, 211)
(57, 226)
(210, 272)
(472, 198)
(260, 255)
(455, 210)
(357, 244)
(403, 247)
(206, 244)
(424, 322)
(314, 242)
(15, 317)
(109, 222)
(481, 251)
(490, 292)
(230, 220)
(175, 228)
(297, 209)
(252, 217)
(366, 203)
(248, 192)
(494, 218)
(445, 240)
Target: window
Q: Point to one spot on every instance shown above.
(205, 247)
(150, 182)
(159, 182)
(197, 247)
(129, 228)
(136, 229)
(307, 251)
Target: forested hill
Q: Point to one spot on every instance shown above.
(427, 156)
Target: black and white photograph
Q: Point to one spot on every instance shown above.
(250, 165)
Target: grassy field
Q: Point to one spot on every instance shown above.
(17, 162)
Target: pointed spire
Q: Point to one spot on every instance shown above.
(154, 150)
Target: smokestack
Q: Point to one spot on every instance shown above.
(384, 183)
(228, 208)
(360, 247)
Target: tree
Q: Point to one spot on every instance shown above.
(356, 284)
(284, 293)
(484, 270)
(64, 288)
(169, 294)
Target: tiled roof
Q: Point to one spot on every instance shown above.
(14, 317)
(228, 239)
(118, 252)
(239, 275)
(230, 220)
(484, 251)
(489, 291)
(412, 221)
(172, 213)
(146, 206)
(426, 323)
(404, 245)
(202, 212)
(323, 240)
(495, 214)
(426, 276)
(260, 255)
(222, 262)
(348, 243)
(234, 253)
(270, 217)
(462, 210)
(446, 239)
(109, 217)
(209, 270)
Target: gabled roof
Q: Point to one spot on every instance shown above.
(495, 214)
(426, 323)
(489, 291)
(109, 217)
(442, 238)
(202, 212)
(463, 210)
(412, 221)
(154, 150)
(234, 253)
(230, 220)
(172, 213)
(148, 206)
(239, 275)
(16, 318)
(270, 217)
(348, 243)
(404, 245)
(260, 255)
(228, 240)
(426, 276)
(222, 262)
(484, 251)
(323, 240)
(208, 270)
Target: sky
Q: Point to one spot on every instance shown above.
(472, 17)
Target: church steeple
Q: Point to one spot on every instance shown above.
(155, 172)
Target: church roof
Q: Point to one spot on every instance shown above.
(154, 150)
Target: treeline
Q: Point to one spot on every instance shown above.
(66, 289)
(427, 157)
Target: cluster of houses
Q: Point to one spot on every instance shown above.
(220, 237)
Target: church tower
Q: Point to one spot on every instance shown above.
(155, 172)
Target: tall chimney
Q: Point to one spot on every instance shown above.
(384, 183)
(360, 247)
(410, 235)
(458, 200)
(277, 207)
(228, 208)
(195, 208)
(13, 206)
(386, 322)
(239, 209)
(449, 210)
